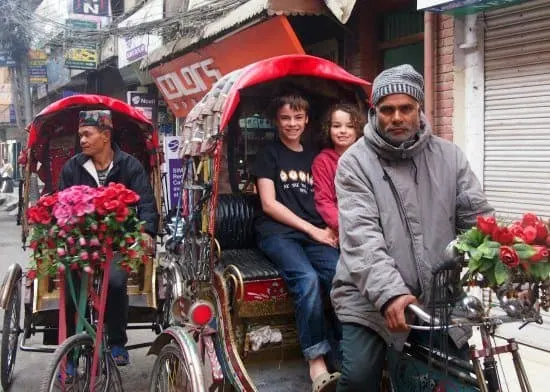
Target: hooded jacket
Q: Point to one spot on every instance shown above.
(126, 170)
(399, 207)
(324, 170)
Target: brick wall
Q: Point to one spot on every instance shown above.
(444, 77)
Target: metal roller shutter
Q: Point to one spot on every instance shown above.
(517, 108)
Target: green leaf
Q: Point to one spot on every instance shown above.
(473, 265)
(524, 251)
(486, 264)
(476, 254)
(501, 273)
(493, 245)
(540, 271)
(490, 276)
(473, 237)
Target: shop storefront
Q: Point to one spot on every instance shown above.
(517, 108)
(506, 48)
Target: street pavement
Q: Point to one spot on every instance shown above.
(29, 367)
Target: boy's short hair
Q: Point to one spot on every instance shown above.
(294, 100)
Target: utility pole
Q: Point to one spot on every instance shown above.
(24, 74)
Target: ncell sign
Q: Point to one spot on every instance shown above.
(183, 81)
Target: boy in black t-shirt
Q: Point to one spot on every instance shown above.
(293, 235)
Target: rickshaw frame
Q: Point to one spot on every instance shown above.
(204, 131)
(41, 131)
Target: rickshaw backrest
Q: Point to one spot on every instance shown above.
(235, 220)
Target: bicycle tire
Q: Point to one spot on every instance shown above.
(113, 381)
(10, 336)
(192, 382)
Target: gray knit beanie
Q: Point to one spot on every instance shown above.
(402, 79)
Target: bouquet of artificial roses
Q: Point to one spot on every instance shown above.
(501, 253)
(75, 228)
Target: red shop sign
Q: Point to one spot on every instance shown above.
(183, 81)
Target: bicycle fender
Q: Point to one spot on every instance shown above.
(11, 278)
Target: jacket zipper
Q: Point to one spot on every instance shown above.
(402, 208)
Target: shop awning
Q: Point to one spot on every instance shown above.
(462, 7)
(246, 14)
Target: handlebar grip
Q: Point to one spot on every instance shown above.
(422, 314)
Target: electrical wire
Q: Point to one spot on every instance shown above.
(42, 29)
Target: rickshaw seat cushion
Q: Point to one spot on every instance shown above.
(235, 215)
(252, 263)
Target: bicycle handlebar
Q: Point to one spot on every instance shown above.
(457, 322)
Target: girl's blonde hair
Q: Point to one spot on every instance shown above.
(357, 118)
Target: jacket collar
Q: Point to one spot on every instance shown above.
(387, 151)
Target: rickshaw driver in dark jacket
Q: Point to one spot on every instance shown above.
(403, 194)
(100, 163)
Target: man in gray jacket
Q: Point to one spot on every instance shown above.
(403, 194)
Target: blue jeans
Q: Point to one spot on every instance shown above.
(307, 267)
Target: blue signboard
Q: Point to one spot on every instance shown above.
(175, 169)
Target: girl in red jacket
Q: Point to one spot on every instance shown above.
(342, 126)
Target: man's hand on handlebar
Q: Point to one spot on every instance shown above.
(395, 312)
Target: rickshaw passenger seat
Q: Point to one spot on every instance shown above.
(235, 233)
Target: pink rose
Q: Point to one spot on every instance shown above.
(95, 242)
(61, 252)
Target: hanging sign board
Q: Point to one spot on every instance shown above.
(184, 81)
(174, 166)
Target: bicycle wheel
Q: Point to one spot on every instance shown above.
(71, 368)
(173, 373)
(10, 336)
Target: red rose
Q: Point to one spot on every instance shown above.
(517, 231)
(503, 235)
(121, 213)
(542, 231)
(48, 200)
(129, 197)
(130, 240)
(529, 219)
(530, 233)
(117, 187)
(98, 204)
(486, 224)
(110, 193)
(111, 205)
(39, 214)
(542, 254)
(133, 254)
(509, 256)
(31, 274)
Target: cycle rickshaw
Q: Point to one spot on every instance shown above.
(232, 319)
(52, 140)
